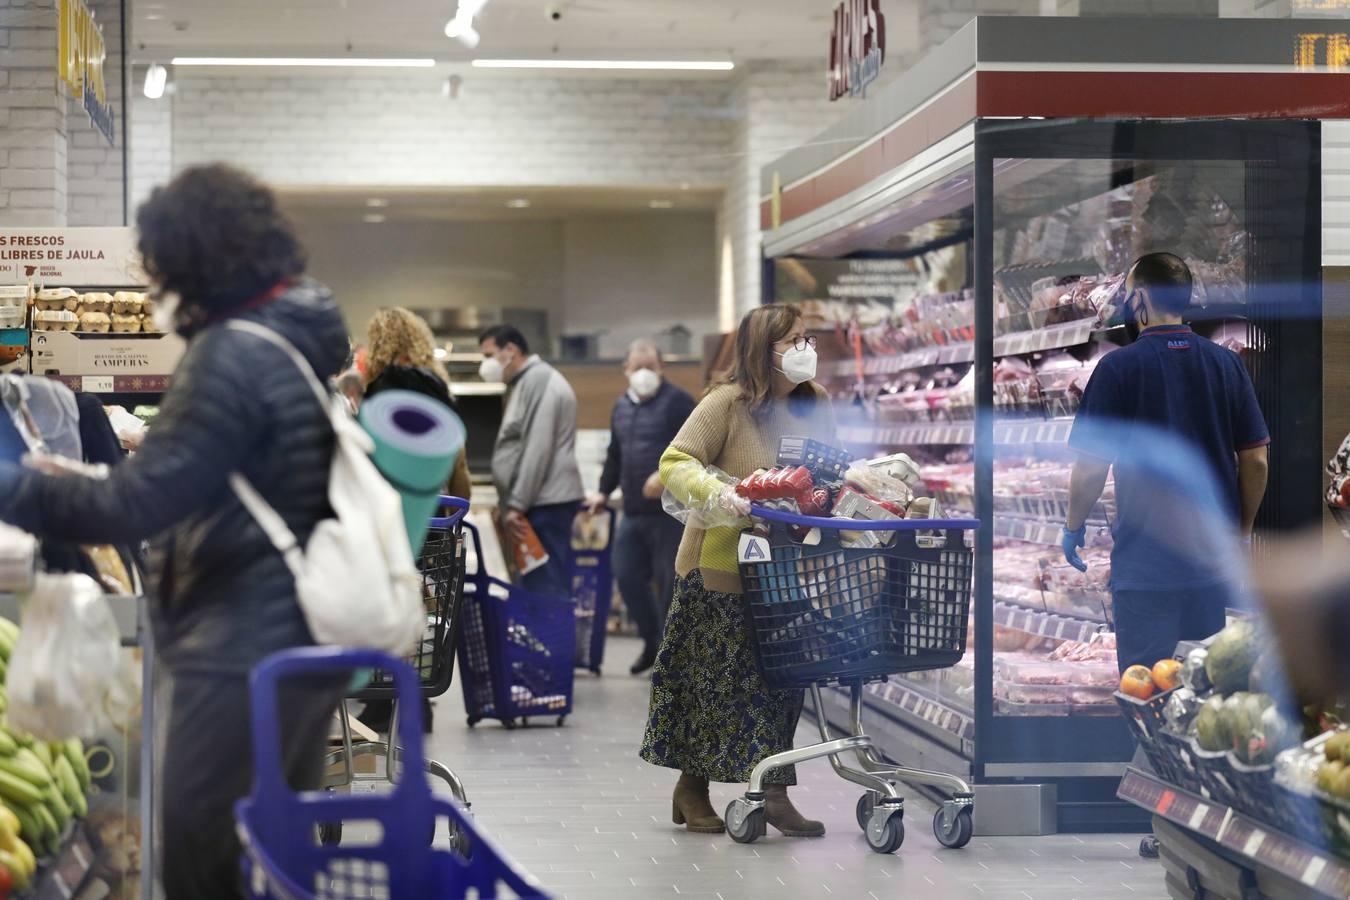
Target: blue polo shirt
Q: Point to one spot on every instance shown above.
(1170, 412)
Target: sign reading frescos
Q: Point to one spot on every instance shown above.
(81, 54)
(70, 257)
(857, 47)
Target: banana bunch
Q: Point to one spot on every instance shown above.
(43, 785)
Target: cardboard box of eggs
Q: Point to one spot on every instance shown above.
(62, 309)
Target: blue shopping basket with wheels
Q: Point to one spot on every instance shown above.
(283, 859)
(515, 649)
(592, 584)
(825, 613)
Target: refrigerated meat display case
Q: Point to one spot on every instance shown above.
(962, 238)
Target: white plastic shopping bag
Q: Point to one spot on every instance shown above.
(64, 674)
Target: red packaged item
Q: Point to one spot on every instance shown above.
(750, 485)
(797, 482)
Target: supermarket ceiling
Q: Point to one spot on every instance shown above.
(743, 29)
(375, 205)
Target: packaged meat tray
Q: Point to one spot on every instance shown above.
(1030, 669)
(1009, 708)
(1031, 693)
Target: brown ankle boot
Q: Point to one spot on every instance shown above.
(781, 814)
(691, 807)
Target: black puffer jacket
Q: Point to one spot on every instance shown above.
(225, 598)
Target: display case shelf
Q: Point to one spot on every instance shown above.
(1043, 623)
(1054, 337)
(1044, 431)
(62, 876)
(908, 702)
(1310, 866)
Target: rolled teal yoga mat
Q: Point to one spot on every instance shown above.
(417, 440)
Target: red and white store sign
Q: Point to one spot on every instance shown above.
(857, 47)
(74, 257)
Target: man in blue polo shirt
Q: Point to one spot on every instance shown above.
(1177, 417)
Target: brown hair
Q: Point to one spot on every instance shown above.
(399, 337)
(752, 366)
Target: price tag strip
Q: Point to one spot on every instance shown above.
(1239, 834)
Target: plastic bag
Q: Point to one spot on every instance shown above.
(64, 675)
(703, 496)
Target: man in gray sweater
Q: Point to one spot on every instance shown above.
(534, 463)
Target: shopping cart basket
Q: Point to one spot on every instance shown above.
(826, 614)
(592, 584)
(276, 826)
(442, 566)
(515, 649)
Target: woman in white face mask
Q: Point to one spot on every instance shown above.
(712, 717)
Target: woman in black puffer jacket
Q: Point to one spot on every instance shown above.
(225, 599)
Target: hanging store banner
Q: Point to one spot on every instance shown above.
(70, 257)
(857, 47)
(81, 54)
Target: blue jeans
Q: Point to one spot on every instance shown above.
(553, 524)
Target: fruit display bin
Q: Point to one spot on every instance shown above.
(1146, 718)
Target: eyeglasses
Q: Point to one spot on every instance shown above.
(802, 343)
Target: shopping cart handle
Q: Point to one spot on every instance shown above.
(460, 507)
(787, 518)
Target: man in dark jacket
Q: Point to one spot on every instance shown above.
(644, 422)
(225, 598)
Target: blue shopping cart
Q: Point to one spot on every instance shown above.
(515, 649)
(277, 827)
(849, 612)
(592, 584)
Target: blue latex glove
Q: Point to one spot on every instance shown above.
(1071, 541)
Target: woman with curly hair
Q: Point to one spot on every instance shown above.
(219, 250)
(401, 355)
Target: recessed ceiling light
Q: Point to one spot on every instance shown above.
(153, 17)
(377, 203)
(661, 204)
(440, 353)
(305, 61)
(373, 218)
(646, 65)
(518, 203)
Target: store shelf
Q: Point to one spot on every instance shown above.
(909, 703)
(1044, 624)
(114, 384)
(1054, 337)
(1043, 431)
(1310, 866)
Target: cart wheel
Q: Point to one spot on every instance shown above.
(330, 834)
(866, 803)
(596, 670)
(745, 823)
(472, 721)
(561, 720)
(509, 724)
(889, 836)
(459, 841)
(958, 834)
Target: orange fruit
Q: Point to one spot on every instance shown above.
(1137, 682)
(1166, 674)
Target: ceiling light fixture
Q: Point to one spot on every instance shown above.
(372, 218)
(156, 80)
(461, 28)
(662, 204)
(633, 65)
(518, 203)
(377, 203)
(302, 62)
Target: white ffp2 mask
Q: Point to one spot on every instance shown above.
(645, 383)
(491, 371)
(799, 364)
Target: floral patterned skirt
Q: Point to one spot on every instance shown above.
(711, 714)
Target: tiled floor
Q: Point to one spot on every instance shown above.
(591, 821)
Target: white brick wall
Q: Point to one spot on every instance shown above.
(779, 106)
(397, 129)
(151, 143)
(32, 117)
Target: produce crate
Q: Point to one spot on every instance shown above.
(1216, 775)
(1255, 794)
(1300, 815)
(1179, 766)
(1147, 719)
